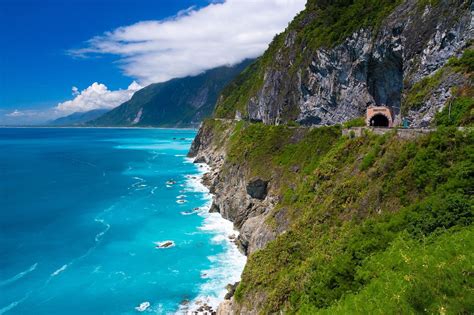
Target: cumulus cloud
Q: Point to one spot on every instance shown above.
(195, 39)
(96, 96)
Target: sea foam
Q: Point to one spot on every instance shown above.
(226, 268)
(19, 275)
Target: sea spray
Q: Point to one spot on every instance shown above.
(226, 267)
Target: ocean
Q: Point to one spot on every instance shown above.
(82, 214)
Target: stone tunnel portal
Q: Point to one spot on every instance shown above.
(379, 116)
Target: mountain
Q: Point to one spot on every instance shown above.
(337, 219)
(79, 118)
(179, 102)
(337, 58)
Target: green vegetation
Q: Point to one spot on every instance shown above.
(334, 21)
(356, 122)
(465, 64)
(419, 93)
(423, 3)
(458, 112)
(377, 223)
(261, 148)
(235, 96)
(422, 90)
(432, 276)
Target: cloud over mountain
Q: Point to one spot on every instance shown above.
(195, 40)
(96, 96)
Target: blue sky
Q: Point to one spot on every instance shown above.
(50, 46)
(35, 69)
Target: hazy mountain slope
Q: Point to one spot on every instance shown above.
(178, 102)
(79, 118)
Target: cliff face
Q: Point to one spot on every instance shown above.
(376, 64)
(233, 187)
(306, 200)
(330, 86)
(321, 215)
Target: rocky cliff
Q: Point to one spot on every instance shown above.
(238, 197)
(315, 80)
(311, 205)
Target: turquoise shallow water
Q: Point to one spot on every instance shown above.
(81, 210)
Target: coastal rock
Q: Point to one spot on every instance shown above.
(231, 290)
(235, 198)
(226, 308)
(200, 159)
(164, 244)
(257, 188)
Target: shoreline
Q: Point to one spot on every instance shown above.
(93, 127)
(227, 267)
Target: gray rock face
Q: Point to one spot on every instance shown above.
(335, 85)
(245, 201)
(438, 98)
(257, 188)
(366, 69)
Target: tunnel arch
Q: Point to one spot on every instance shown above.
(379, 116)
(379, 120)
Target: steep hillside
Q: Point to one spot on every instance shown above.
(338, 57)
(346, 225)
(334, 224)
(178, 102)
(79, 118)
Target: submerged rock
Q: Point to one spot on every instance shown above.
(165, 244)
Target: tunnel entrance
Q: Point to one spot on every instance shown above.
(379, 116)
(379, 120)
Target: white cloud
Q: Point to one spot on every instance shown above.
(195, 39)
(15, 113)
(25, 116)
(96, 96)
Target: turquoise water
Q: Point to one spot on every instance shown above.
(81, 211)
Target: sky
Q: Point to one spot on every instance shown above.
(63, 56)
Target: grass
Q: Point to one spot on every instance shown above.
(465, 63)
(458, 112)
(432, 276)
(351, 203)
(356, 122)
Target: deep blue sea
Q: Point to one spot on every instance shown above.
(81, 212)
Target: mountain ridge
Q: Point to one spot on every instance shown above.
(180, 102)
(78, 118)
